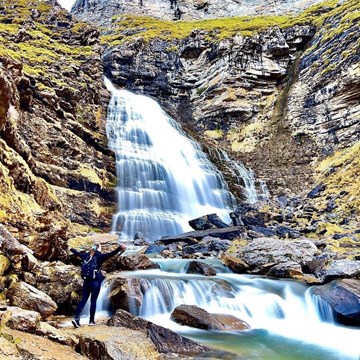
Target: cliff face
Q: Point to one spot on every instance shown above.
(56, 171)
(275, 92)
(101, 11)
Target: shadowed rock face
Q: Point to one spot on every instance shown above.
(344, 298)
(103, 10)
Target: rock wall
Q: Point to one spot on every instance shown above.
(57, 174)
(100, 11)
(279, 98)
(226, 93)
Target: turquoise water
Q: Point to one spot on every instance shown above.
(286, 320)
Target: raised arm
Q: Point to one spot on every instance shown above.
(78, 253)
(108, 255)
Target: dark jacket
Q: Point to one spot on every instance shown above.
(100, 258)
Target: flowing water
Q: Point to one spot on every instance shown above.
(286, 320)
(164, 178)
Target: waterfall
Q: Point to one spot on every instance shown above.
(247, 176)
(286, 310)
(164, 178)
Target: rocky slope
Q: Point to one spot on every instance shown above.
(57, 174)
(101, 11)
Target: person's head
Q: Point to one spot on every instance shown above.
(96, 247)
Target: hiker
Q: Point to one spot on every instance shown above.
(91, 273)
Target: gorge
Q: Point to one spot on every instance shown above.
(267, 91)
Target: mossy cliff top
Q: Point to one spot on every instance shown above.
(126, 26)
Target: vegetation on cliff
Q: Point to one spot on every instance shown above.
(53, 104)
(126, 27)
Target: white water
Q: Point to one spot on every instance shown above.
(284, 309)
(247, 176)
(164, 179)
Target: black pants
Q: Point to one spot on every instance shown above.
(90, 287)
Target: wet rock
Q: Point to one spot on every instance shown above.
(198, 267)
(28, 297)
(231, 323)
(194, 316)
(317, 265)
(344, 298)
(155, 249)
(205, 222)
(126, 293)
(197, 248)
(139, 239)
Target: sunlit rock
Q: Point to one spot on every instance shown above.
(20, 319)
(165, 340)
(28, 297)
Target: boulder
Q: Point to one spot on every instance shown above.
(289, 269)
(20, 319)
(231, 323)
(343, 296)
(192, 237)
(165, 340)
(262, 253)
(28, 297)
(125, 293)
(194, 316)
(235, 264)
(36, 347)
(205, 222)
(135, 262)
(60, 281)
(8, 244)
(199, 267)
(112, 343)
(342, 269)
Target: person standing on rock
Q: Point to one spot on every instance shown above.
(91, 273)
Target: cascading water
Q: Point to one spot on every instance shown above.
(164, 179)
(246, 176)
(286, 320)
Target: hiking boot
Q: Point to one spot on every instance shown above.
(92, 323)
(76, 323)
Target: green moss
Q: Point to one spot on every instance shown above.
(148, 28)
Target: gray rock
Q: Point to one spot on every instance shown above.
(344, 298)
